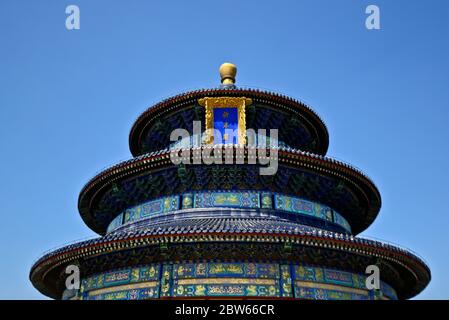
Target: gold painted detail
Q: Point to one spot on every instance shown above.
(228, 72)
(149, 284)
(219, 268)
(210, 103)
(309, 284)
(227, 281)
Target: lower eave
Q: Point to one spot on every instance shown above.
(359, 246)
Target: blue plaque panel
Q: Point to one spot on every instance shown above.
(226, 122)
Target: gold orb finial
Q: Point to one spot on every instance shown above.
(227, 73)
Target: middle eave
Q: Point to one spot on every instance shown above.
(367, 195)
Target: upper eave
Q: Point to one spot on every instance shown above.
(188, 98)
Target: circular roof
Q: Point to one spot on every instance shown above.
(407, 273)
(313, 177)
(297, 123)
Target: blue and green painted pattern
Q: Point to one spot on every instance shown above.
(329, 294)
(150, 292)
(211, 269)
(133, 283)
(117, 222)
(127, 284)
(304, 275)
(228, 279)
(338, 219)
(388, 291)
(229, 199)
(121, 277)
(241, 289)
(151, 208)
(301, 206)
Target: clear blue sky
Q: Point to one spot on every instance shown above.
(68, 100)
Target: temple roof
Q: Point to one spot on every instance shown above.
(296, 121)
(321, 179)
(412, 271)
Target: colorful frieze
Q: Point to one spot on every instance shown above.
(141, 291)
(150, 208)
(226, 279)
(338, 277)
(242, 289)
(222, 279)
(234, 199)
(325, 292)
(331, 276)
(297, 205)
(121, 277)
(226, 199)
(328, 277)
(205, 270)
(309, 208)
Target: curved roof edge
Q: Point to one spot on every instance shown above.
(417, 269)
(161, 159)
(191, 96)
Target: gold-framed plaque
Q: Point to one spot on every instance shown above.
(225, 116)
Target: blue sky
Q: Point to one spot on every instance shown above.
(68, 100)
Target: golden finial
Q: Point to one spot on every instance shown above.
(227, 73)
